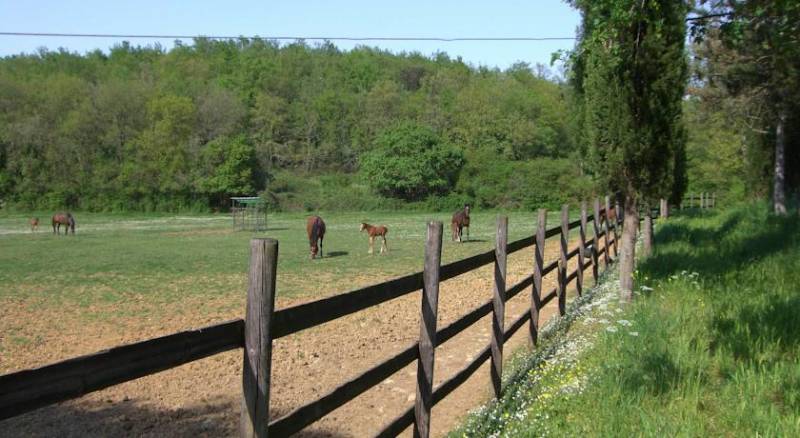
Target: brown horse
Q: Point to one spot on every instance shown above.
(611, 216)
(315, 228)
(459, 222)
(34, 222)
(373, 232)
(65, 219)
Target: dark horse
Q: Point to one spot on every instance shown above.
(459, 222)
(373, 232)
(315, 228)
(65, 219)
(611, 215)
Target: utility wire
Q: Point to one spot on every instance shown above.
(293, 38)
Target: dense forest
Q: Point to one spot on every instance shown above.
(314, 127)
(150, 129)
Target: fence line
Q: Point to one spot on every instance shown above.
(703, 200)
(27, 390)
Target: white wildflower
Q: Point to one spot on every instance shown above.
(611, 329)
(633, 333)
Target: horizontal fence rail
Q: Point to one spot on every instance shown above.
(27, 390)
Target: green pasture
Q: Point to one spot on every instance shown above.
(164, 258)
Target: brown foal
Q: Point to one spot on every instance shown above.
(373, 232)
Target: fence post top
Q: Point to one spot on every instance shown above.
(267, 240)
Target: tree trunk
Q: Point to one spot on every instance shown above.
(647, 234)
(779, 189)
(627, 258)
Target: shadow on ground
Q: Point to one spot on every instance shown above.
(711, 252)
(91, 418)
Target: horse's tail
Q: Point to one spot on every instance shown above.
(314, 234)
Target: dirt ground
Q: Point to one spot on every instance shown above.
(203, 398)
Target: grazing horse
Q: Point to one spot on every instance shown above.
(65, 219)
(34, 222)
(611, 215)
(373, 232)
(315, 228)
(459, 222)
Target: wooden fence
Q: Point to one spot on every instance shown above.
(701, 200)
(27, 390)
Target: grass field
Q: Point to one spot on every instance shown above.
(710, 347)
(159, 259)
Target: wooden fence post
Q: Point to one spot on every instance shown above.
(604, 230)
(664, 209)
(714, 200)
(257, 364)
(691, 200)
(581, 247)
(538, 267)
(608, 228)
(427, 330)
(498, 304)
(595, 258)
(562, 263)
(617, 223)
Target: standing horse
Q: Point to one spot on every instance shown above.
(373, 232)
(315, 228)
(459, 222)
(34, 222)
(65, 219)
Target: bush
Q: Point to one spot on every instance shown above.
(494, 182)
(411, 162)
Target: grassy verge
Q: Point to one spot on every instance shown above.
(710, 347)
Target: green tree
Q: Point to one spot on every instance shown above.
(228, 169)
(630, 70)
(759, 63)
(411, 162)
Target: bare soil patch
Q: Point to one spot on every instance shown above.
(203, 398)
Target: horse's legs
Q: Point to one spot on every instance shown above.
(467, 232)
(320, 247)
(371, 244)
(384, 245)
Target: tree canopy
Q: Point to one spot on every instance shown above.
(146, 128)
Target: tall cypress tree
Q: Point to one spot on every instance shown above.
(630, 71)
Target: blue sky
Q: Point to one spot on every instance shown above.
(407, 18)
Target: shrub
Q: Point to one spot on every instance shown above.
(411, 162)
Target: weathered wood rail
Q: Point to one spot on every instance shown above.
(28, 390)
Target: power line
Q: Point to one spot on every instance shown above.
(283, 38)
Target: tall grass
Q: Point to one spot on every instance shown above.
(718, 345)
